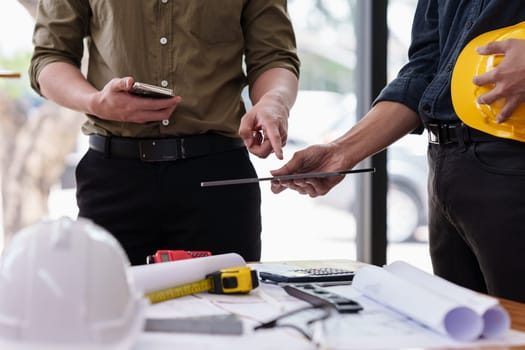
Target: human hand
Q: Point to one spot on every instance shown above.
(507, 78)
(264, 128)
(316, 158)
(114, 102)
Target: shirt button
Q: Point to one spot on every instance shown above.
(426, 108)
(163, 41)
(469, 24)
(448, 68)
(164, 1)
(164, 83)
(165, 122)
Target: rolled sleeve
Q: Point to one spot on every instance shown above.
(269, 38)
(59, 31)
(405, 90)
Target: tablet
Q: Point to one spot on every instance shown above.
(285, 177)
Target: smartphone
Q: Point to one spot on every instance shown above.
(148, 90)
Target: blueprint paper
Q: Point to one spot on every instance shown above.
(496, 320)
(444, 307)
(377, 327)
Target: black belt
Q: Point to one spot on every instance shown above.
(445, 133)
(164, 149)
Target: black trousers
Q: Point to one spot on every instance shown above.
(477, 215)
(149, 206)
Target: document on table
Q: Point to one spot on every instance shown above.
(390, 318)
(444, 307)
(378, 328)
(406, 307)
(262, 304)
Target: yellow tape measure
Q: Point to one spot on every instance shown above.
(234, 280)
(175, 292)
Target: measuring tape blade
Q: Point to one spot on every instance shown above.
(231, 280)
(180, 291)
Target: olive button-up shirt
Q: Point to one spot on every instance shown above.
(195, 47)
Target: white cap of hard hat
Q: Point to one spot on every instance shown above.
(67, 284)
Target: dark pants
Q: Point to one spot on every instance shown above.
(477, 215)
(149, 206)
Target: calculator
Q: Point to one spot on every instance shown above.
(284, 273)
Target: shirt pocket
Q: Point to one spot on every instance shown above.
(217, 22)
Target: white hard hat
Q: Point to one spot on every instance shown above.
(67, 284)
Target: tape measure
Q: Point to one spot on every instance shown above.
(233, 280)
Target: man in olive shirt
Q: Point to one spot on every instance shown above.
(141, 177)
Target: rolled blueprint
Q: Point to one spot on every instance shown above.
(447, 308)
(496, 319)
(155, 277)
(435, 311)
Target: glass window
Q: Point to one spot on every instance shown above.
(326, 107)
(407, 161)
(23, 196)
(296, 226)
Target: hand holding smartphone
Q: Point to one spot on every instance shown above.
(152, 91)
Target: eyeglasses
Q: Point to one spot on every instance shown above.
(300, 319)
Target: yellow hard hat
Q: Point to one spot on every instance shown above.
(465, 93)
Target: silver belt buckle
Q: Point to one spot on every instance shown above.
(433, 133)
(158, 150)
